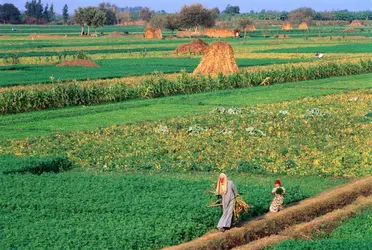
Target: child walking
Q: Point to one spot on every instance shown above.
(278, 193)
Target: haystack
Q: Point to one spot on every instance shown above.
(250, 27)
(303, 26)
(287, 26)
(356, 23)
(153, 33)
(79, 62)
(197, 46)
(220, 32)
(219, 58)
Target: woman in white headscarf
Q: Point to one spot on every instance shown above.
(228, 191)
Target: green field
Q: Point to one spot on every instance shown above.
(120, 157)
(112, 68)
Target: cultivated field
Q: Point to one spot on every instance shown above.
(119, 156)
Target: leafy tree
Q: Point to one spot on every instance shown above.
(124, 16)
(232, 10)
(9, 14)
(52, 14)
(243, 23)
(65, 13)
(108, 9)
(46, 13)
(196, 15)
(79, 18)
(302, 14)
(99, 20)
(172, 22)
(146, 14)
(34, 9)
(158, 21)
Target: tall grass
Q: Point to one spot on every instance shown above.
(58, 96)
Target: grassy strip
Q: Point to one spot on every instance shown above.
(124, 211)
(86, 118)
(158, 86)
(112, 68)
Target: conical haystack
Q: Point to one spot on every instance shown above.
(287, 26)
(219, 58)
(153, 33)
(250, 27)
(356, 23)
(303, 26)
(197, 46)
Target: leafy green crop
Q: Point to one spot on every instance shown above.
(123, 211)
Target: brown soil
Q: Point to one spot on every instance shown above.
(114, 35)
(356, 23)
(315, 228)
(219, 58)
(153, 33)
(186, 33)
(280, 36)
(287, 26)
(197, 46)
(45, 36)
(83, 63)
(303, 26)
(273, 223)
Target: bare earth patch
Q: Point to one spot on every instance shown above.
(82, 63)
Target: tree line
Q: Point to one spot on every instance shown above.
(191, 16)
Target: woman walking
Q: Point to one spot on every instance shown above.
(228, 191)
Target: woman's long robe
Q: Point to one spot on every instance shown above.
(228, 205)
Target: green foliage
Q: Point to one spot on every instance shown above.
(123, 211)
(82, 55)
(10, 164)
(215, 142)
(73, 94)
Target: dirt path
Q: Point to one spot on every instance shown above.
(308, 230)
(274, 223)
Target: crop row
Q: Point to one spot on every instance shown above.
(318, 136)
(24, 100)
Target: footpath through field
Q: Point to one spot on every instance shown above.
(86, 118)
(311, 213)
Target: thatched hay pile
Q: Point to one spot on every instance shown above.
(219, 58)
(303, 26)
(212, 32)
(250, 27)
(79, 62)
(356, 23)
(153, 33)
(187, 33)
(287, 26)
(197, 46)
